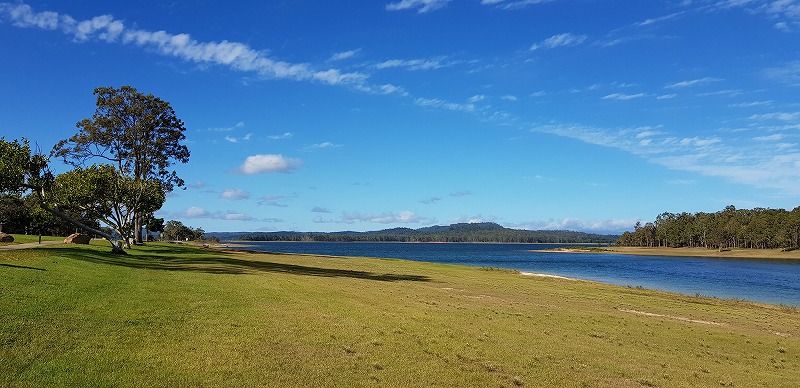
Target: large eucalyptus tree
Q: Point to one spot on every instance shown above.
(140, 136)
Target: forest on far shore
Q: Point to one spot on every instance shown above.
(757, 228)
(474, 232)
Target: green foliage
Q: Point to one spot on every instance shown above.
(100, 192)
(730, 228)
(140, 134)
(20, 169)
(176, 230)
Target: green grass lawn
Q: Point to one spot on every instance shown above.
(27, 238)
(173, 315)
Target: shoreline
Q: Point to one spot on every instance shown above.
(243, 249)
(755, 254)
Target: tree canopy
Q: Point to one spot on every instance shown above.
(729, 228)
(139, 135)
(136, 136)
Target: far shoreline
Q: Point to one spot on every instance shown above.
(735, 253)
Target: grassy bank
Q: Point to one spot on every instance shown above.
(173, 315)
(691, 252)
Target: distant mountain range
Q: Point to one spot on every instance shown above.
(462, 232)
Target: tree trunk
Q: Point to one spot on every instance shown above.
(115, 246)
(137, 225)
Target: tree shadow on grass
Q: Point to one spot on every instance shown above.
(191, 260)
(21, 267)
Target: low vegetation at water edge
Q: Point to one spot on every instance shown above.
(176, 315)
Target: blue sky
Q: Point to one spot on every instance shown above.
(586, 115)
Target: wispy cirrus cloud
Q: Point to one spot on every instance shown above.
(321, 146)
(283, 136)
(403, 217)
(619, 96)
(438, 103)
(788, 74)
(609, 226)
(344, 55)
(227, 129)
(233, 55)
(779, 116)
(422, 6)
(559, 40)
(513, 4)
(693, 82)
(232, 139)
(414, 64)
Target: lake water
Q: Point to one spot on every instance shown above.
(767, 281)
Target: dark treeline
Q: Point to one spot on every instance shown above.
(730, 228)
(478, 232)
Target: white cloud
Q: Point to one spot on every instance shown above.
(232, 139)
(513, 4)
(666, 96)
(472, 219)
(234, 55)
(227, 129)
(699, 142)
(392, 89)
(195, 212)
(509, 97)
(780, 116)
(773, 137)
(560, 40)
(437, 103)
(610, 226)
(751, 104)
(285, 135)
(422, 6)
(234, 194)
(652, 21)
(413, 64)
(618, 96)
(321, 146)
(258, 164)
(317, 209)
(404, 217)
(344, 55)
(693, 82)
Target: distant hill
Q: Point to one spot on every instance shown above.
(463, 232)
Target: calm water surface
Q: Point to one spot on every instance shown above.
(767, 281)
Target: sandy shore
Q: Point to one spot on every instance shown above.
(692, 252)
(544, 275)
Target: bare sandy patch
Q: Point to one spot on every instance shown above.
(544, 275)
(684, 319)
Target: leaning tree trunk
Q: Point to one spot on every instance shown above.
(116, 247)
